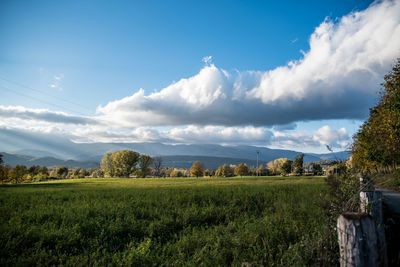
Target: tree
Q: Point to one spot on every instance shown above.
(4, 169)
(145, 162)
(42, 174)
(286, 167)
(1, 159)
(242, 170)
(274, 167)
(62, 172)
(175, 173)
(124, 162)
(107, 165)
(79, 173)
(224, 171)
(75, 173)
(17, 173)
(261, 170)
(97, 173)
(376, 144)
(298, 164)
(197, 169)
(34, 170)
(119, 164)
(157, 163)
(317, 169)
(44, 171)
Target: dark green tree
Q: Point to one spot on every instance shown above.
(17, 173)
(4, 169)
(317, 169)
(34, 170)
(262, 171)
(298, 164)
(145, 162)
(286, 167)
(62, 172)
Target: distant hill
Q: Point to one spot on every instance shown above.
(58, 147)
(49, 150)
(178, 161)
(14, 159)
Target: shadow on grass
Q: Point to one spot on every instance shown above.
(39, 185)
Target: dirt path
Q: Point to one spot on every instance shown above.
(391, 204)
(391, 199)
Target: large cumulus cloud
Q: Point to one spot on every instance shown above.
(336, 79)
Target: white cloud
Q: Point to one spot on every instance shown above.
(219, 135)
(108, 135)
(349, 55)
(187, 135)
(79, 130)
(58, 77)
(323, 136)
(326, 136)
(336, 79)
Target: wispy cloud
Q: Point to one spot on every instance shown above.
(207, 60)
(56, 84)
(43, 115)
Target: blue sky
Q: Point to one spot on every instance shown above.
(89, 59)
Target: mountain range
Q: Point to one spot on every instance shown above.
(27, 148)
(181, 156)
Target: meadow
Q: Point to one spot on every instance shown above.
(269, 221)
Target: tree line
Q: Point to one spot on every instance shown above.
(127, 163)
(281, 166)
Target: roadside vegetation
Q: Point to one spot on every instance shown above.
(376, 147)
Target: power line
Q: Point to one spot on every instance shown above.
(40, 100)
(44, 93)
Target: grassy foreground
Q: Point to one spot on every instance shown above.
(171, 222)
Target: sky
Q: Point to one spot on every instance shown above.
(297, 75)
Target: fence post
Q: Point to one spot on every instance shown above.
(371, 203)
(357, 240)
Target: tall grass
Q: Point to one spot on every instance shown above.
(189, 222)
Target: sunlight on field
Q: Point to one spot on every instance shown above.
(161, 182)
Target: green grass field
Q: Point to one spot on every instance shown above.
(172, 222)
